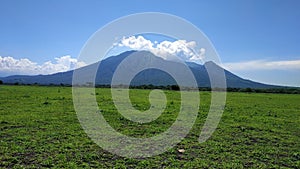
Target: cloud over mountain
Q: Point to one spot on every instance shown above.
(186, 50)
(10, 66)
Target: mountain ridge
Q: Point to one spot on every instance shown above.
(108, 66)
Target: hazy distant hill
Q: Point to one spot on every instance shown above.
(108, 66)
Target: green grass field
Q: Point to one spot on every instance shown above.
(39, 128)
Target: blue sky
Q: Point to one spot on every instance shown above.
(245, 33)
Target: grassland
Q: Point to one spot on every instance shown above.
(39, 128)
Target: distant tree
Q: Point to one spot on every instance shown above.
(248, 90)
(175, 87)
(1, 82)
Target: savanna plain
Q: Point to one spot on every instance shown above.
(39, 129)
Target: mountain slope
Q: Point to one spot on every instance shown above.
(108, 66)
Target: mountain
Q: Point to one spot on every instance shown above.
(108, 66)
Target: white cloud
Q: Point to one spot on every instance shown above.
(136, 43)
(263, 65)
(166, 49)
(10, 66)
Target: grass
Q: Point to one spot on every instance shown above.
(39, 128)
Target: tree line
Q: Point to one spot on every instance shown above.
(286, 90)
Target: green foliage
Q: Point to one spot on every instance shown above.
(286, 90)
(39, 129)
